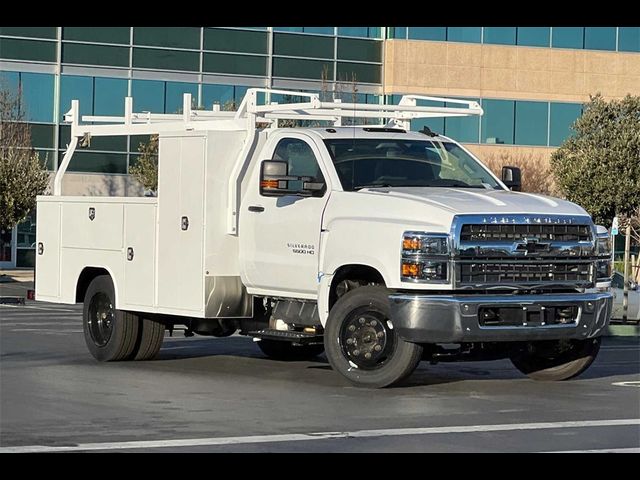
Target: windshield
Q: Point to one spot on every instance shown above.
(363, 163)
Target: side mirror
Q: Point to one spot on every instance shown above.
(512, 178)
(275, 181)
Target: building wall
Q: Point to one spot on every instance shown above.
(513, 72)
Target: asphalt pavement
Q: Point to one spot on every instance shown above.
(222, 395)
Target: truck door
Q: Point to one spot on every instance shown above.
(279, 236)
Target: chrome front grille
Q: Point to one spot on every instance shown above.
(481, 233)
(523, 251)
(523, 272)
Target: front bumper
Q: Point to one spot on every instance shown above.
(422, 318)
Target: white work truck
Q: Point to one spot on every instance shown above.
(378, 245)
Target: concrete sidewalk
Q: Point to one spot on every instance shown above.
(20, 275)
(14, 285)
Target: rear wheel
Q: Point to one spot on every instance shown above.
(281, 350)
(150, 338)
(360, 341)
(556, 360)
(110, 334)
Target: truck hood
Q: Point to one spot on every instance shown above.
(433, 208)
(479, 201)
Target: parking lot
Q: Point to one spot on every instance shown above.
(208, 394)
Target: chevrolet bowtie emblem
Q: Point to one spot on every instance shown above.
(530, 246)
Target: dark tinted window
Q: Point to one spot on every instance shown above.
(364, 163)
(301, 160)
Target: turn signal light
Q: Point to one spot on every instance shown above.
(269, 183)
(411, 243)
(411, 270)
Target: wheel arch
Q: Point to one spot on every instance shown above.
(353, 271)
(86, 277)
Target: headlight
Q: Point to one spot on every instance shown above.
(604, 251)
(425, 257)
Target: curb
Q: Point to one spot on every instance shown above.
(12, 301)
(623, 331)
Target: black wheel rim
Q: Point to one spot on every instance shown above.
(100, 319)
(366, 339)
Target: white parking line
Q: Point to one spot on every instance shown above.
(39, 308)
(46, 331)
(37, 324)
(603, 450)
(302, 437)
(627, 384)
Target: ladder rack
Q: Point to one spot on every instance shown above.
(250, 116)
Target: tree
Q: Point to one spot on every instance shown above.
(146, 169)
(23, 175)
(599, 167)
(536, 172)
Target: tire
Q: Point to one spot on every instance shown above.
(556, 361)
(110, 334)
(150, 338)
(286, 351)
(362, 346)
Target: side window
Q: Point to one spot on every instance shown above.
(302, 162)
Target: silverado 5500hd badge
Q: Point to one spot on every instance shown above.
(302, 248)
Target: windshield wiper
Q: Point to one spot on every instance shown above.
(373, 185)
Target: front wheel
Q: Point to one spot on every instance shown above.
(361, 343)
(556, 360)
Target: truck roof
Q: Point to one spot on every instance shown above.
(373, 131)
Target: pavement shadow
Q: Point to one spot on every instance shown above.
(216, 354)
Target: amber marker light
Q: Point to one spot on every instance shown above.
(269, 183)
(411, 270)
(411, 243)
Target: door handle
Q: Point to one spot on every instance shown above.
(256, 208)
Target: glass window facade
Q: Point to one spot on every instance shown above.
(464, 34)
(119, 35)
(38, 94)
(148, 96)
(31, 32)
(500, 35)
(166, 59)
(629, 39)
(73, 87)
(360, 50)
(561, 117)
(109, 96)
(365, 32)
(306, 46)
(174, 96)
(31, 50)
(428, 33)
(179, 37)
(534, 36)
(568, 37)
(228, 40)
(498, 121)
(600, 38)
(83, 54)
(531, 123)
